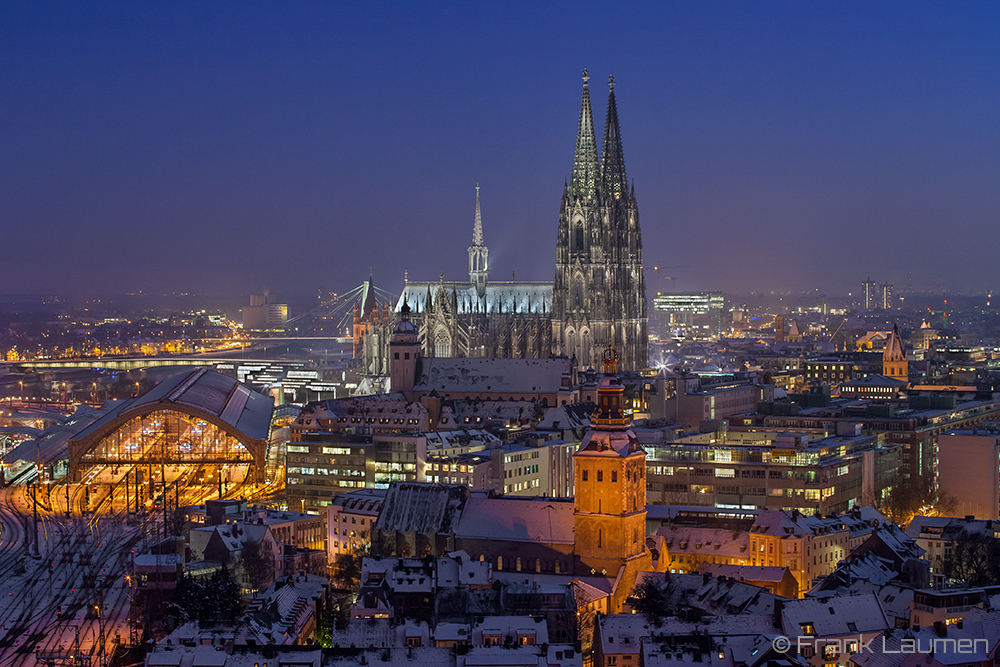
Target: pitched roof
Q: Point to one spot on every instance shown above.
(833, 617)
(543, 521)
(421, 508)
(894, 350)
(610, 443)
(493, 375)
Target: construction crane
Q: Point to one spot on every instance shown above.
(672, 279)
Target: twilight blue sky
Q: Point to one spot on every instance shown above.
(229, 147)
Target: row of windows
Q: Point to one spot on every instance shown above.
(313, 481)
(600, 475)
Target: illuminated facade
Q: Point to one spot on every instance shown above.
(167, 436)
(478, 317)
(894, 362)
(609, 517)
(869, 298)
(700, 313)
(771, 470)
(599, 297)
(263, 315)
(201, 417)
(885, 296)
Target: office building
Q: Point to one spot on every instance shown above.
(699, 315)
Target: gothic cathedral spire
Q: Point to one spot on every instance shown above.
(479, 266)
(599, 294)
(583, 184)
(613, 180)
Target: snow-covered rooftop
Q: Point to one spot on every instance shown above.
(517, 520)
(506, 376)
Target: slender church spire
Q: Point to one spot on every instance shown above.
(479, 265)
(613, 180)
(477, 228)
(585, 168)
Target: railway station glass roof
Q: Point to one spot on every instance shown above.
(168, 436)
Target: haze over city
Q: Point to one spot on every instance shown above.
(231, 149)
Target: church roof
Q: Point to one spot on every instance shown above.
(543, 521)
(610, 443)
(421, 508)
(503, 297)
(451, 374)
(874, 380)
(894, 350)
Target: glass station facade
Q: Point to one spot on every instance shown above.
(171, 437)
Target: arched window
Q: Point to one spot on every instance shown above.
(579, 235)
(442, 346)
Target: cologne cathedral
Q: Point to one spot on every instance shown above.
(598, 297)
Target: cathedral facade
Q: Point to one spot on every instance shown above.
(479, 317)
(598, 297)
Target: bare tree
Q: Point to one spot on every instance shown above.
(652, 597)
(258, 564)
(975, 559)
(586, 616)
(904, 499)
(347, 566)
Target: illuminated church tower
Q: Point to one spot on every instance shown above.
(609, 514)
(894, 362)
(599, 295)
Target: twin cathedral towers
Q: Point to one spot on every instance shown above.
(598, 296)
